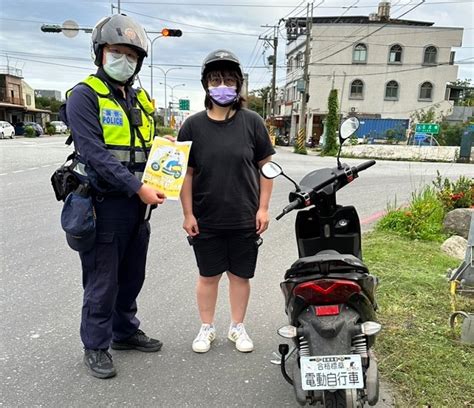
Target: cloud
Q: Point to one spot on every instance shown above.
(21, 21)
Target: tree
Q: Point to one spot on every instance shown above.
(43, 102)
(422, 116)
(451, 134)
(257, 98)
(332, 123)
(466, 96)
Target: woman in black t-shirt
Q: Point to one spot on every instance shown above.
(224, 198)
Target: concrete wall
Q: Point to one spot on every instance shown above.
(28, 95)
(395, 152)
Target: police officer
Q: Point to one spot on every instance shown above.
(112, 128)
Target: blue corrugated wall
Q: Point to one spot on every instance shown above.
(382, 128)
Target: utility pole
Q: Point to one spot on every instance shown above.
(300, 145)
(272, 42)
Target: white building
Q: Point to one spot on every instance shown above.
(381, 67)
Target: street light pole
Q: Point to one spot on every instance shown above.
(172, 88)
(166, 100)
(151, 65)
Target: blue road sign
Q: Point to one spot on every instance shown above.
(419, 136)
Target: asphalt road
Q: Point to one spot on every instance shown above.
(40, 294)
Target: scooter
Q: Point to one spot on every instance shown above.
(329, 292)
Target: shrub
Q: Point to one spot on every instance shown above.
(50, 129)
(422, 219)
(454, 194)
(30, 131)
(451, 134)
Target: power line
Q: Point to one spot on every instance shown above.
(190, 25)
(285, 16)
(353, 33)
(251, 54)
(160, 3)
(368, 35)
(187, 32)
(20, 57)
(381, 72)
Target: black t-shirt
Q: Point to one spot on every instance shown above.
(225, 156)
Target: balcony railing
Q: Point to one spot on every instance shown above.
(14, 101)
(10, 99)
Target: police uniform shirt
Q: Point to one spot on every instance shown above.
(83, 116)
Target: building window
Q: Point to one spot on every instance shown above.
(452, 56)
(391, 91)
(395, 55)
(289, 68)
(28, 99)
(357, 89)
(299, 60)
(430, 55)
(426, 91)
(359, 55)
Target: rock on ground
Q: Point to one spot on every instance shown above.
(455, 246)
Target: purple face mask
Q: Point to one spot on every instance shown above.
(223, 95)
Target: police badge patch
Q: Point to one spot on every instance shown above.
(112, 117)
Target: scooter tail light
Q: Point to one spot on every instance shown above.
(331, 310)
(288, 332)
(326, 291)
(370, 328)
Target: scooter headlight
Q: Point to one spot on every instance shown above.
(370, 328)
(288, 332)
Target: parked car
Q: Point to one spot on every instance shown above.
(6, 130)
(59, 126)
(20, 128)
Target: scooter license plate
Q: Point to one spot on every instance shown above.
(331, 372)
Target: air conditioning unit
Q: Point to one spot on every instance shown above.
(353, 109)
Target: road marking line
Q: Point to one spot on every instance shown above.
(4, 174)
(18, 171)
(47, 165)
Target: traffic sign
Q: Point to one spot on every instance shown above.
(419, 136)
(184, 104)
(432, 128)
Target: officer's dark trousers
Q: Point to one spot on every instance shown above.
(114, 271)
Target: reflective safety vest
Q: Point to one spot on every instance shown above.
(126, 142)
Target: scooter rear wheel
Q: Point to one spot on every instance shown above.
(341, 399)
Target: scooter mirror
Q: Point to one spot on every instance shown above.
(271, 170)
(348, 128)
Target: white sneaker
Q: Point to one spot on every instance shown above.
(202, 342)
(239, 336)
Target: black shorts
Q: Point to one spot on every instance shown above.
(219, 251)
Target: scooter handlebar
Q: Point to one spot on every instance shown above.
(290, 207)
(365, 165)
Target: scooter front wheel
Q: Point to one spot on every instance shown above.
(341, 399)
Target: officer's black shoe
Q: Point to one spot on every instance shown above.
(99, 363)
(139, 341)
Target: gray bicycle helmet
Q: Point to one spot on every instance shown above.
(119, 29)
(220, 59)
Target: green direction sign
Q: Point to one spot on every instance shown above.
(184, 104)
(432, 128)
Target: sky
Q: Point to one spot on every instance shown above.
(53, 61)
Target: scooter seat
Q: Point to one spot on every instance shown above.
(325, 262)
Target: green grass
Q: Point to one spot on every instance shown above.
(418, 353)
(422, 219)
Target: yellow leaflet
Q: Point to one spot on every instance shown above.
(166, 166)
